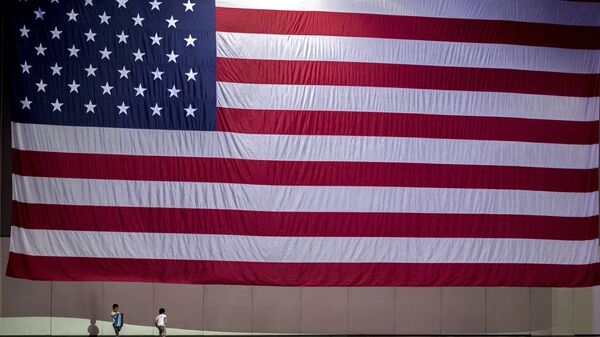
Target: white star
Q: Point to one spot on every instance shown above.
(72, 16)
(171, 22)
(73, 51)
(56, 69)
(39, 14)
(172, 57)
(90, 35)
(90, 107)
(55, 33)
(25, 68)
(173, 91)
(104, 18)
(190, 41)
(41, 86)
(157, 73)
(122, 37)
(189, 5)
(41, 50)
(124, 72)
(139, 91)
(191, 75)
(106, 88)
(122, 3)
(155, 39)
(105, 54)
(138, 55)
(155, 5)
(91, 71)
(156, 109)
(56, 105)
(26, 103)
(74, 87)
(53, 1)
(189, 111)
(137, 20)
(89, 2)
(24, 31)
(123, 108)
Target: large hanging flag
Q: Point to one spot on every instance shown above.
(306, 142)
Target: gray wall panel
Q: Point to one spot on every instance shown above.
(228, 308)
(276, 309)
(77, 300)
(418, 310)
(136, 302)
(184, 304)
(507, 310)
(324, 310)
(371, 310)
(463, 310)
(540, 310)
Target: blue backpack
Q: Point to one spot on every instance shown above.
(118, 320)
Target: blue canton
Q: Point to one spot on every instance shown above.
(115, 63)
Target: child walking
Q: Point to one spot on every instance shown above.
(161, 322)
(117, 319)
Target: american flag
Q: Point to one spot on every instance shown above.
(306, 142)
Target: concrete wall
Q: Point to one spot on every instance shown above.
(71, 308)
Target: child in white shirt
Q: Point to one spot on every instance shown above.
(161, 322)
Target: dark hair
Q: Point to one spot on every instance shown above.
(161, 310)
(115, 305)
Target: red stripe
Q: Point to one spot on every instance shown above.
(305, 173)
(292, 224)
(300, 274)
(352, 123)
(406, 27)
(407, 76)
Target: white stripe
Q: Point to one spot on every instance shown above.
(165, 194)
(402, 100)
(434, 53)
(50, 138)
(299, 249)
(541, 11)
